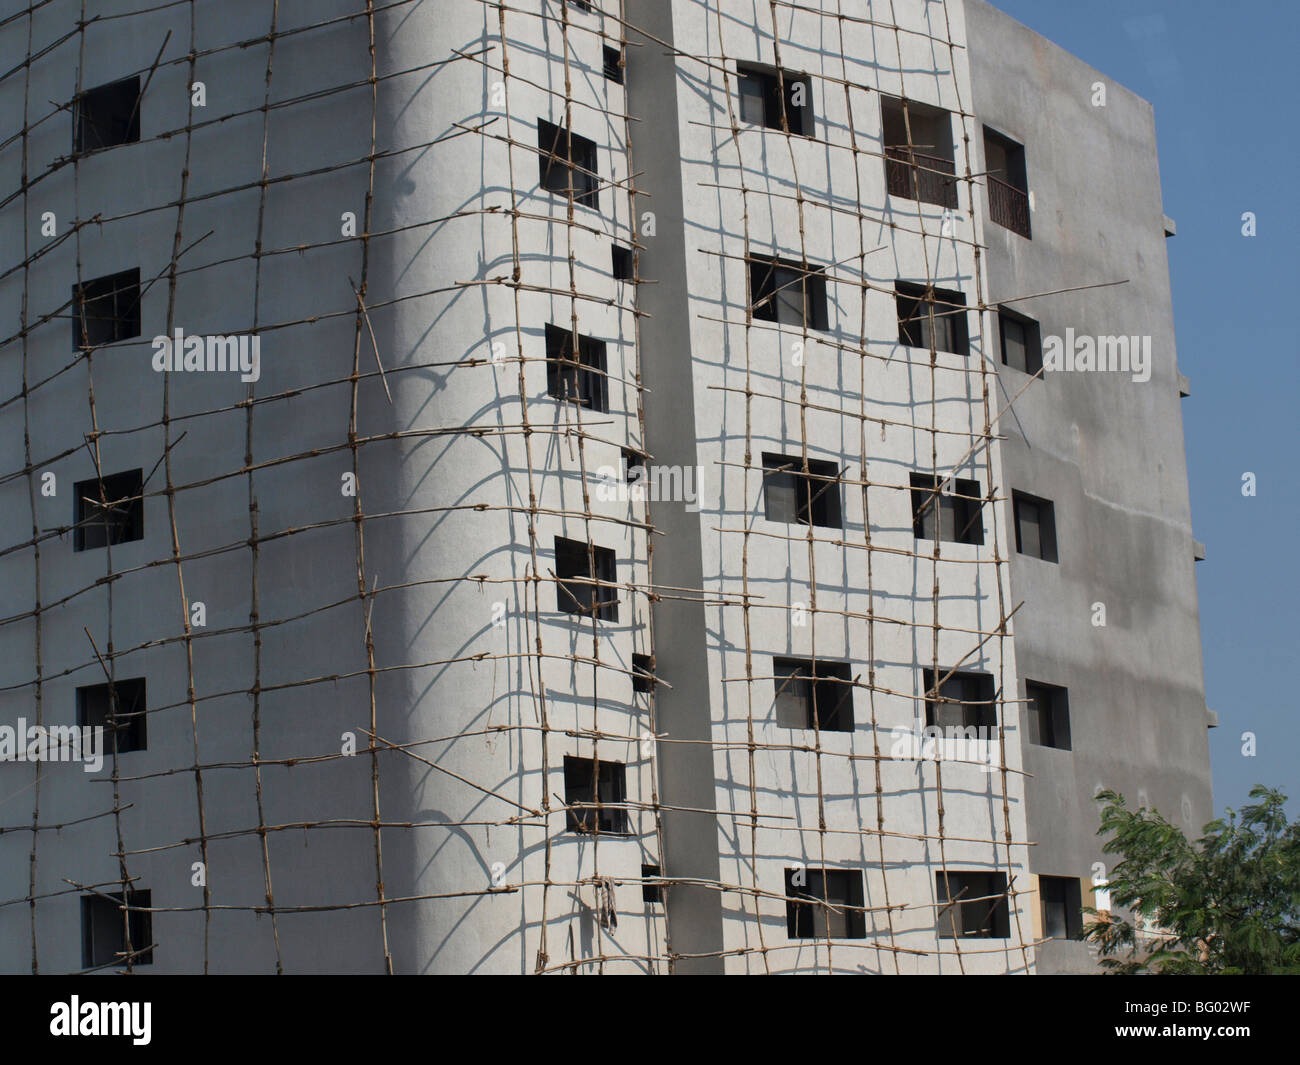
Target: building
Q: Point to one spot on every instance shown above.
(405, 671)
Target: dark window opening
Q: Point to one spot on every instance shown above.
(567, 163)
(576, 373)
(958, 511)
(110, 933)
(813, 694)
(920, 167)
(938, 314)
(621, 263)
(578, 565)
(1004, 161)
(972, 905)
(1049, 715)
(1022, 341)
(614, 64)
(1062, 906)
(965, 700)
(787, 292)
(651, 892)
(120, 710)
(108, 511)
(107, 116)
(827, 905)
(762, 102)
(643, 673)
(595, 805)
(1035, 526)
(581, 5)
(106, 309)
(791, 496)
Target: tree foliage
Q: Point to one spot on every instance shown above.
(1228, 903)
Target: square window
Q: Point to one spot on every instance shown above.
(787, 292)
(621, 263)
(109, 932)
(934, 314)
(108, 511)
(614, 64)
(1062, 906)
(813, 694)
(791, 496)
(1035, 526)
(121, 712)
(965, 700)
(567, 163)
(1049, 715)
(595, 806)
(575, 371)
(643, 673)
(919, 152)
(106, 116)
(764, 103)
(972, 905)
(827, 904)
(651, 892)
(106, 309)
(958, 511)
(1022, 341)
(574, 559)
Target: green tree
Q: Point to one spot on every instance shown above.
(1228, 903)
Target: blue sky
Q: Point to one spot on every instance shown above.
(1224, 81)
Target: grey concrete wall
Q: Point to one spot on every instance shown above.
(1107, 450)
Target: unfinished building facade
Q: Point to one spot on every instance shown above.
(541, 486)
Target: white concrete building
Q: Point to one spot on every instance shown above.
(404, 679)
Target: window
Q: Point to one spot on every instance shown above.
(109, 933)
(108, 511)
(827, 904)
(614, 64)
(567, 162)
(586, 563)
(965, 700)
(972, 905)
(936, 314)
(1004, 163)
(1035, 526)
(575, 372)
(1049, 715)
(1022, 341)
(920, 166)
(791, 496)
(1062, 906)
(651, 892)
(643, 673)
(787, 292)
(581, 5)
(762, 102)
(813, 694)
(595, 806)
(121, 713)
(106, 116)
(621, 263)
(106, 309)
(958, 511)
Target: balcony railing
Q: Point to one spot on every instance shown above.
(931, 180)
(1008, 206)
